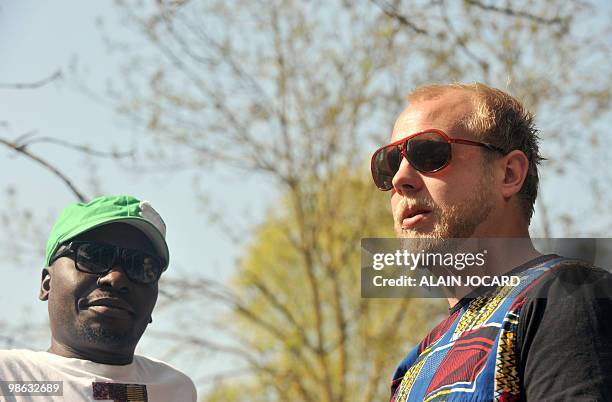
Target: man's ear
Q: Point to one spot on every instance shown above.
(515, 166)
(45, 284)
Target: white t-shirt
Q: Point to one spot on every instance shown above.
(144, 379)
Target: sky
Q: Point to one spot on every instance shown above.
(38, 38)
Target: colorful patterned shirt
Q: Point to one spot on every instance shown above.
(516, 342)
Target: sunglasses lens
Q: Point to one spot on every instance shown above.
(385, 165)
(99, 258)
(94, 258)
(428, 152)
(141, 267)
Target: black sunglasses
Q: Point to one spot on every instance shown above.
(427, 151)
(99, 258)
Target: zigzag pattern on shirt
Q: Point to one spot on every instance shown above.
(506, 373)
(404, 389)
(480, 310)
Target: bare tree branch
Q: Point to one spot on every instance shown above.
(33, 85)
(21, 143)
(514, 13)
(24, 151)
(392, 12)
(461, 43)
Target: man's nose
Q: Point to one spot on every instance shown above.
(116, 278)
(407, 179)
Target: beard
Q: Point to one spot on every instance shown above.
(102, 335)
(457, 221)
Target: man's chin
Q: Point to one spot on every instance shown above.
(410, 234)
(100, 334)
(414, 234)
(421, 243)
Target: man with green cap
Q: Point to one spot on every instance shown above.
(103, 262)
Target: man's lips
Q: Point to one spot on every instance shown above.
(108, 305)
(412, 217)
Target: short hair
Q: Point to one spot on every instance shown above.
(499, 119)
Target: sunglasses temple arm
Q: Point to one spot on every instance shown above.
(490, 147)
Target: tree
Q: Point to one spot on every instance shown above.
(280, 87)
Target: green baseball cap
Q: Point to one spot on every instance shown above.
(80, 217)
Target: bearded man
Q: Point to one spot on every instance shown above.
(463, 163)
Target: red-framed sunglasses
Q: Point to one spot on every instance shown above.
(427, 151)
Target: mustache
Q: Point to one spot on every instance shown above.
(412, 203)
